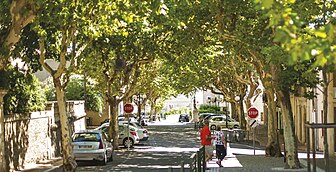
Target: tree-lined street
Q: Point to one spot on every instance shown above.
(126, 51)
(170, 144)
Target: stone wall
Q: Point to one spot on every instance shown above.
(33, 137)
(27, 139)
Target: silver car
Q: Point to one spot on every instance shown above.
(141, 131)
(92, 145)
(123, 136)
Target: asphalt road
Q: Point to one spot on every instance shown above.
(167, 146)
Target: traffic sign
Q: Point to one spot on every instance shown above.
(253, 123)
(128, 108)
(252, 112)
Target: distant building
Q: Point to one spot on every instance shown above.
(177, 102)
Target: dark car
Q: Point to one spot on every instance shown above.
(184, 118)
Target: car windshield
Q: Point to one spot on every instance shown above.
(133, 123)
(87, 137)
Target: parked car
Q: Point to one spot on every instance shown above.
(201, 118)
(209, 117)
(184, 118)
(123, 136)
(92, 145)
(223, 122)
(142, 132)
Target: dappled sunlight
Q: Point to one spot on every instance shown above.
(151, 166)
(168, 149)
(240, 151)
(250, 151)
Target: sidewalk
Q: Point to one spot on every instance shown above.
(42, 165)
(245, 160)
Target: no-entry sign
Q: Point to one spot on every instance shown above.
(128, 108)
(252, 112)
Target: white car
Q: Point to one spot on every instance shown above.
(92, 145)
(142, 132)
(223, 122)
(123, 136)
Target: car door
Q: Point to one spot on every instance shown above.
(121, 134)
(108, 144)
(222, 121)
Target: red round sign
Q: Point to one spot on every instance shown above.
(128, 108)
(252, 112)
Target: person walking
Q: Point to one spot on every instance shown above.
(220, 142)
(206, 140)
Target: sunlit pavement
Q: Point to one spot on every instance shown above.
(168, 145)
(243, 157)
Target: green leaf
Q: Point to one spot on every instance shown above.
(320, 34)
(267, 3)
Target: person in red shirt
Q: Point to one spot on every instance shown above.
(206, 140)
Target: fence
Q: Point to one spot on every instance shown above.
(313, 127)
(197, 162)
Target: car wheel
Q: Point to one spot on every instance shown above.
(104, 161)
(213, 127)
(110, 158)
(129, 142)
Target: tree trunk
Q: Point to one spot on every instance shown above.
(292, 160)
(114, 129)
(152, 110)
(3, 166)
(242, 114)
(234, 113)
(69, 163)
(273, 146)
(325, 114)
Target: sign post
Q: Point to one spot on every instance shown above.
(128, 108)
(253, 113)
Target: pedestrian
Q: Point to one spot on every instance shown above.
(220, 142)
(206, 140)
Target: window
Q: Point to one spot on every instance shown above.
(87, 137)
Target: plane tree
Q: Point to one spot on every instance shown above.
(119, 57)
(61, 31)
(244, 27)
(15, 15)
(305, 29)
(154, 86)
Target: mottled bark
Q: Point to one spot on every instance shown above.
(273, 147)
(60, 79)
(114, 129)
(19, 20)
(292, 160)
(234, 113)
(69, 163)
(242, 119)
(152, 110)
(3, 166)
(325, 113)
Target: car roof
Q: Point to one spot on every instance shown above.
(87, 131)
(215, 116)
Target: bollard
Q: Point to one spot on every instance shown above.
(170, 169)
(199, 164)
(182, 166)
